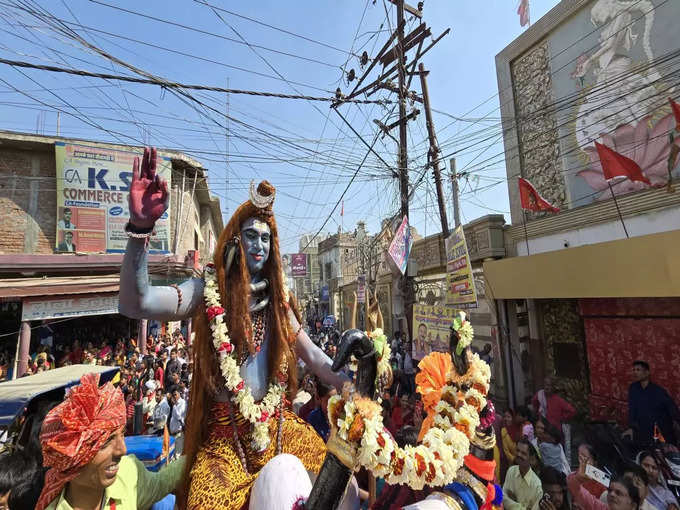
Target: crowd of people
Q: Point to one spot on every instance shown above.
(158, 380)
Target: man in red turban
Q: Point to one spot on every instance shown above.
(82, 444)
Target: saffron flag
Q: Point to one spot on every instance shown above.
(531, 200)
(618, 165)
(676, 113)
(165, 452)
(523, 11)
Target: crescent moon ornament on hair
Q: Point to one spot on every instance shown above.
(258, 200)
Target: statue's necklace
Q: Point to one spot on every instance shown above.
(259, 322)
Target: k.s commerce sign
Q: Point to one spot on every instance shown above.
(92, 199)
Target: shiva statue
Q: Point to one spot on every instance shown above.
(248, 338)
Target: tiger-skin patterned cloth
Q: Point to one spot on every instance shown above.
(218, 481)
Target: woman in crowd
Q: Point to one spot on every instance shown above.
(588, 456)
(510, 434)
(659, 496)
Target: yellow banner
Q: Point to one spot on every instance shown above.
(460, 283)
(92, 200)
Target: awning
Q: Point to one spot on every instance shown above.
(644, 266)
(58, 285)
(16, 395)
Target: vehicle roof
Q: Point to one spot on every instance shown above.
(17, 394)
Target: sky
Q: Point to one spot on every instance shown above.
(301, 48)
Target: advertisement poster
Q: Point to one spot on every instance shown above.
(460, 283)
(431, 326)
(401, 246)
(361, 288)
(299, 264)
(92, 200)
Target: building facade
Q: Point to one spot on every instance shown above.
(61, 238)
(597, 285)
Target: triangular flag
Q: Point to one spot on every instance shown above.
(618, 165)
(676, 113)
(531, 200)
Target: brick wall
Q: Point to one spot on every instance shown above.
(28, 201)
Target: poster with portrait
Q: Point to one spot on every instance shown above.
(92, 200)
(431, 326)
(400, 247)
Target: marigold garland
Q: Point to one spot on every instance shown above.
(256, 414)
(434, 462)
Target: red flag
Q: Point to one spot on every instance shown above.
(615, 165)
(531, 200)
(342, 208)
(676, 113)
(523, 11)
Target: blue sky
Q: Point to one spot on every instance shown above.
(300, 146)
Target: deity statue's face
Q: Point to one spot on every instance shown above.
(256, 239)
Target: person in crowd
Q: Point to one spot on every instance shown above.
(161, 413)
(318, 418)
(554, 486)
(159, 374)
(523, 416)
(311, 387)
(588, 456)
(659, 497)
(640, 480)
(551, 406)
(548, 439)
(304, 393)
(622, 494)
(82, 444)
(648, 405)
(173, 366)
(19, 485)
(510, 434)
(408, 372)
(522, 487)
(149, 403)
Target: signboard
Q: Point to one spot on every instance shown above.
(56, 308)
(361, 288)
(400, 247)
(298, 262)
(324, 294)
(92, 200)
(431, 326)
(460, 283)
(287, 270)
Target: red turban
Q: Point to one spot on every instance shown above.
(75, 430)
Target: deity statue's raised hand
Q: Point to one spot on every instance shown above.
(149, 196)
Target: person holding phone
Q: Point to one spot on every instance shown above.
(554, 485)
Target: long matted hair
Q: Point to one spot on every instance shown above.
(234, 287)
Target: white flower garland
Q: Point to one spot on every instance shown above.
(257, 414)
(434, 462)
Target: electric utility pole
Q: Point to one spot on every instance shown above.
(434, 150)
(403, 154)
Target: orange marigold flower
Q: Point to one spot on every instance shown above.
(381, 441)
(398, 466)
(356, 430)
(420, 464)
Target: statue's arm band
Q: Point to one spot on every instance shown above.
(139, 300)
